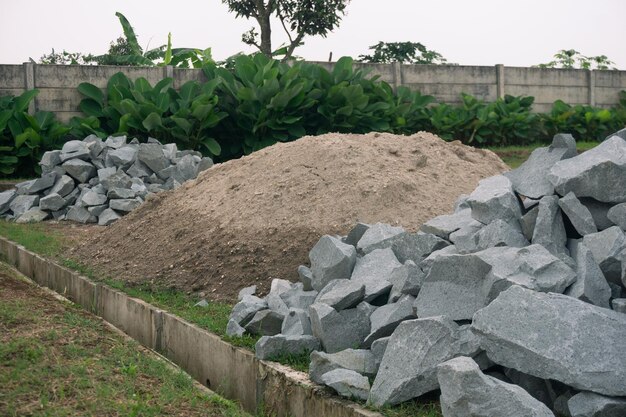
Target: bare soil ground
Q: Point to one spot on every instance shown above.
(253, 219)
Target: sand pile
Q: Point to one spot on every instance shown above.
(250, 220)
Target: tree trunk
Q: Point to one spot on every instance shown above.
(266, 31)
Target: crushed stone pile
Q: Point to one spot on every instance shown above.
(253, 219)
(510, 305)
(96, 181)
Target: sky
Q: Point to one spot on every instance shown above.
(478, 32)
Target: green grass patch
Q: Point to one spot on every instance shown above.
(514, 156)
(412, 409)
(34, 237)
(298, 362)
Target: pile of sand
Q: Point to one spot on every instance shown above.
(253, 219)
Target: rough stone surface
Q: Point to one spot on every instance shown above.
(374, 271)
(499, 233)
(80, 215)
(123, 157)
(107, 217)
(416, 347)
(298, 298)
(341, 294)
(74, 149)
(386, 318)
(464, 239)
(528, 222)
(331, 259)
(124, 204)
(92, 198)
(538, 388)
(63, 186)
(553, 336)
(619, 305)
(599, 173)
(33, 215)
(375, 235)
(378, 349)
(306, 277)
(22, 203)
(40, 184)
(599, 211)
(530, 178)
(246, 309)
(466, 391)
(5, 199)
(234, 329)
(549, 228)
(251, 290)
(358, 360)
(607, 247)
(152, 155)
(52, 202)
(617, 214)
(347, 383)
(269, 347)
(80, 170)
(494, 199)
(578, 214)
(120, 193)
(446, 224)
(296, 323)
(339, 330)
(590, 285)
(265, 323)
(589, 404)
(356, 233)
(405, 280)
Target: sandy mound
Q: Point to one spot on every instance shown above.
(249, 220)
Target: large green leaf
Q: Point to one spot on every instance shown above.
(23, 100)
(92, 92)
(90, 107)
(152, 122)
(129, 32)
(212, 145)
(5, 115)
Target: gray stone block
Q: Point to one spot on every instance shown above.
(22, 203)
(40, 184)
(265, 323)
(427, 263)
(6, 197)
(97, 210)
(121, 193)
(374, 271)
(619, 305)
(590, 404)
(52, 202)
(498, 233)
(356, 233)
(92, 198)
(50, 159)
(348, 384)
(80, 170)
(375, 235)
(539, 389)
(599, 211)
(530, 179)
(416, 347)
(494, 199)
(117, 180)
(578, 214)
(296, 323)
(415, 246)
(204, 164)
(63, 186)
(405, 280)
(617, 214)
(139, 170)
(246, 309)
(358, 360)
(553, 336)
(446, 224)
(590, 284)
(465, 238)
(80, 215)
(107, 217)
(270, 347)
(607, 247)
(306, 277)
(32, 215)
(123, 157)
(251, 290)
(620, 133)
(95, 145)
(341, 294)
(296, 297)
(152, 155)
(599, 173)
(549, 228)
(616, 290)
(456, 287)
(378, 349)
(115, 142)
(186, 169)
(124, 205)
(339, 330)
(105, 173)
(331, 259)
(466, 391)
(74, 149)
(234, 329)
(386, 318)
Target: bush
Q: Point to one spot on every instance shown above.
(24, 137)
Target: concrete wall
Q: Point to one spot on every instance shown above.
(58, 83)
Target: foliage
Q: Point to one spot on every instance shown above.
(140, 110)
(24, 137)
(405, 52)
(298, 19)
(570, 58)
(66, 58)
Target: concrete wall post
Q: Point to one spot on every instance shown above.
(396, 67)
(29, 84)
(500, 81)
(591, 78)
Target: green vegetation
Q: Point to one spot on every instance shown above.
(66, 362)
(571, 58)
(514, 156)
(403, 52)
(24, 137)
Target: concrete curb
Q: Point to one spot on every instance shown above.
(230, 371)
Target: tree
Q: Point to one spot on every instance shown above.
(405, 52)
(299, 18)
(571, 58)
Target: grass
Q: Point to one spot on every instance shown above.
(66, 362)
(514, 156)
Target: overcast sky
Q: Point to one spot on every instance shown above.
(478, 32)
